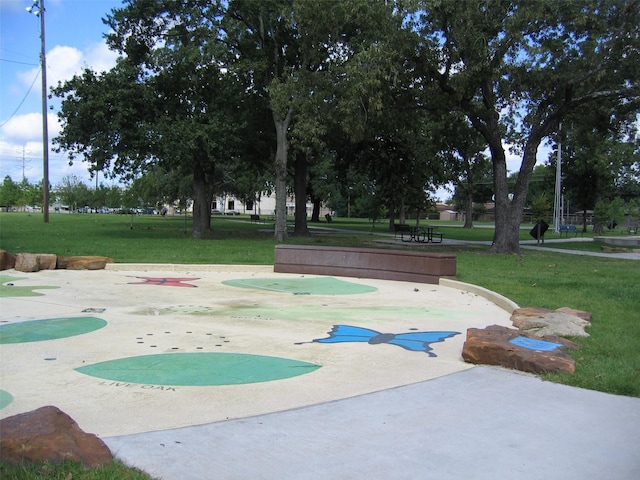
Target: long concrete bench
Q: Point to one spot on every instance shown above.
(421, 267)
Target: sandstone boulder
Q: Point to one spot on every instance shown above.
(578, 313)
(511, 348)
(83, 262)
(49, 435)
(34, 262)
(7, 260)
(563, 322)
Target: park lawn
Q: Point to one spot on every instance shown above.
(70, 471)
(608, 360)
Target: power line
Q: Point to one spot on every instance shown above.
(23, 99)
(19, 63)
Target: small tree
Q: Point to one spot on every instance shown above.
(608, 213)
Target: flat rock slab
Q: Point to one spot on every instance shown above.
(564, 322)
(83, 262)
(50, 435)
(511, 348)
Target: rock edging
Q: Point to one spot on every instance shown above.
(535, 345)
(34, 262)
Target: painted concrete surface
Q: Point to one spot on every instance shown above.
(194, 345)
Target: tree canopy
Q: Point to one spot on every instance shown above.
(517, 68)
(373, 90)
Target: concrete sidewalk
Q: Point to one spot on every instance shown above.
(482, 423)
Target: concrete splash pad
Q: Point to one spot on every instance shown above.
(160, 347)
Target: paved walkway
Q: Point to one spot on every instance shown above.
(232, 372)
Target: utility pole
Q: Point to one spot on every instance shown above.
(38, 10)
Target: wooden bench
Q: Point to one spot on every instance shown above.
(255, 218)
(632, 230)
(568, 229)
(408, 266)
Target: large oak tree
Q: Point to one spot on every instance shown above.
(517, 68)
(169, 102)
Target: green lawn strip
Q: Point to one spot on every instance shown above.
(608, 360)
(70, 470)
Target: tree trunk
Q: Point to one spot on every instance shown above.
(468, 218)
(509, 208)
(315, 214)
(403, 212)
(507, 223)
(202, 198)
(300, 189)
(282, 148)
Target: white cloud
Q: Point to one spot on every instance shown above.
(100, 57)
(23, 127)
(28, 127)
(64, 62)
(25, 130)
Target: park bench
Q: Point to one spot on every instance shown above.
(403, 265)
(568, 229)
(255, 218)
(632, 229)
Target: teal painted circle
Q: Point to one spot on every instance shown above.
(198, 369)
(5, 399)
(303, 286)
(49, 329)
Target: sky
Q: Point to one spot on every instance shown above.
(74, 40)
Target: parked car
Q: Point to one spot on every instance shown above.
(215, 211)
(232, 212)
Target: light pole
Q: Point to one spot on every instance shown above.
(38, 10)
(557, 201)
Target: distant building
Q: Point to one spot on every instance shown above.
(266, 205)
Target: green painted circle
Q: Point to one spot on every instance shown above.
(198, 369)
(48, 329)
(5, 399)
(303, 286)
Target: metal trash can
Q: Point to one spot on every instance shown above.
(544, 226)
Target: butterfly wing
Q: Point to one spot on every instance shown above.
(420, 341)
(348, 333)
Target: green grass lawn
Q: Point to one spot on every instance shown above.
(608, 361)
(70, 471)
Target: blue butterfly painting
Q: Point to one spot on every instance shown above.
(413, 341)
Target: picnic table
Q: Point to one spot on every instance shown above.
(424, 234)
